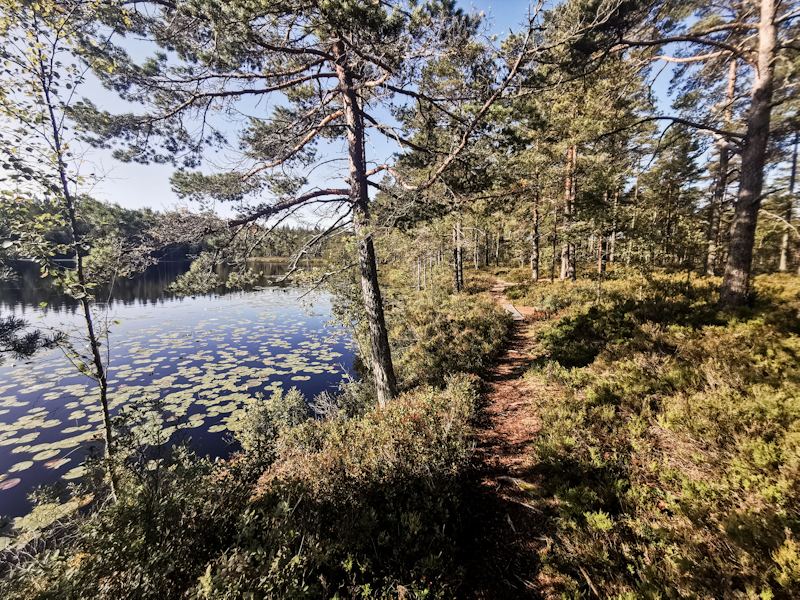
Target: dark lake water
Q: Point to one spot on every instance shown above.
(201, 358)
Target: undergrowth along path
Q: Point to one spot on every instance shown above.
(505, 556)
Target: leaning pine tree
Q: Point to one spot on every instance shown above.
(329, 69)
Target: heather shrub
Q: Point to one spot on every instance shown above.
(552, 297)
(437, 334)
(362, 507)
(669, 451)
(366, 506)
(152, 543)
(423, 432)
(264, 419)
(476, 282)
(518, 275)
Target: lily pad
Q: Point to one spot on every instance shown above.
(57, 463)
(74, 473)
(47, 514)
(20, 466)
(9, 483)
(46, 454)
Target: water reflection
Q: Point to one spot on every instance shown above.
(30, 290)
(201, 357)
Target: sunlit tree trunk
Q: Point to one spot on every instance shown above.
(475, 252)
(600, 266)
(735, 285)
(715, 209)
(535, 241)
(382, 368)
(565, 250)
(458, 269)
(784, 262)
(91, 333)
(612, 239)
(555, 242)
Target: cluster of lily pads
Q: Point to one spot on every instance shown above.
(201, 366)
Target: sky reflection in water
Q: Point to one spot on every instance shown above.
(201, 357)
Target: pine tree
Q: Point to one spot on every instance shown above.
(328, 68)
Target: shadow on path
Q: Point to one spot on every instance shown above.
(503, 558)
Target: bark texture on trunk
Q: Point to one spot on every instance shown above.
(460, 255)
(535, 245)
(565, 246)
(499, 242)
(612, 239)
(475, 253)
(715, 209)
(458, 258)
(571, 250)
(784, 262)
(382, 367)
(600, 267)
(735, 285)
(555, 242)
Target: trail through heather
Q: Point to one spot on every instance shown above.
(505, 554)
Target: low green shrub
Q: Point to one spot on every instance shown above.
(553, 297)
(436, 334)
(476, 281)
(670, 456)
(373, 504)
(349, 508)
(421, 432)
(518, 275)
(152, 543)
(264, 420)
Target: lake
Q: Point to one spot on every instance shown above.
(200, 358)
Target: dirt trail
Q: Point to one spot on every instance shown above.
(505, 556)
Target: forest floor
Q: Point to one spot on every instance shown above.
(505, 557)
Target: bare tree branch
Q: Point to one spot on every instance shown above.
(281, 206)
(311, 135)
(690, 59)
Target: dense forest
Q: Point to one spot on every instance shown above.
(573, 293)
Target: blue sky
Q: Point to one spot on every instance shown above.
(136, 186)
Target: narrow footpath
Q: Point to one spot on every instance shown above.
(505, 551)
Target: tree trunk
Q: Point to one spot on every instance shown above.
(715, 209)
(460, 255)
(535, 245)
(612, 239)
(475, 253)
(555, 243)
(784, 263)
(458, 268)
(94, 343)
(567, 212)
(735, 285)
(456, 283)
(668, 229)
(600, 266)
(633, 219)
(382, 367)
(571, 271)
